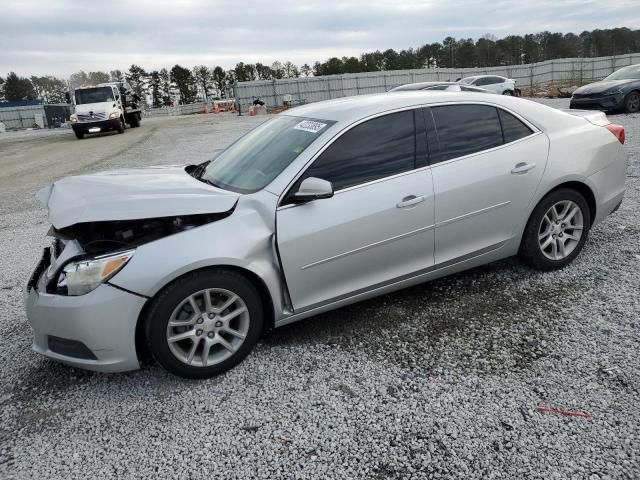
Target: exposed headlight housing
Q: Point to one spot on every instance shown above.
(114, 115)
(82, 276)
(73, 118)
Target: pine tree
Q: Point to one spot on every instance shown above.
(137, 78)
(18, 88)
(219, 80)
(155, 84)
(185, 83)
(166, 87)
(204, 79)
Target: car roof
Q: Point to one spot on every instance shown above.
(487, 75)
(351, 109)
(419, 86)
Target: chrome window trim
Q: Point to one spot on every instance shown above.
(536, 131)
(334, 139)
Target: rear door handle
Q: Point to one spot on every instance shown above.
(410, 201)
(522, 167)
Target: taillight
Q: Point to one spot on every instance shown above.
(617, 130)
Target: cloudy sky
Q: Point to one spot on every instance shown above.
(63, 36)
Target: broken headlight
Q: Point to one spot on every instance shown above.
(82, 276)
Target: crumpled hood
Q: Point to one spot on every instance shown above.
(598, 87)
(131, 194)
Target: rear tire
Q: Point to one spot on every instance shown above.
(215, 335)
(79, 135)
(553, 240)
(135, 121)
(632, 102)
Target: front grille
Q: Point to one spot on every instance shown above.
(587, 95)
(92, 117)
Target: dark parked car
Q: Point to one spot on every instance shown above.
(620, 91)
(448, 86)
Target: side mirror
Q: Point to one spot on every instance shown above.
(313, 188)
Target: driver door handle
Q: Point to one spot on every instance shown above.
(522, 167)
(410, 201)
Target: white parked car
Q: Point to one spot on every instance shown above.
(493, 83)
(321, 206)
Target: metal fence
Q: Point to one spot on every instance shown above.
(314, 89)
(179, 110)
(23, 117)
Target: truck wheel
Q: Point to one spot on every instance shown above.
(121, 126)
(79, 135)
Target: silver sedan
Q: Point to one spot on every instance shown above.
(319, 207)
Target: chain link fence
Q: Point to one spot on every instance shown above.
(529, 76)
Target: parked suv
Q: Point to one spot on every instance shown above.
(493, 83)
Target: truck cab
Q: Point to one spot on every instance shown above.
(104, 107)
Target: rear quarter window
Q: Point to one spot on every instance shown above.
(512, 128)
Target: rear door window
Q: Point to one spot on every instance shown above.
(465, 129)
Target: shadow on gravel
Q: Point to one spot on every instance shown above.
(493, 319)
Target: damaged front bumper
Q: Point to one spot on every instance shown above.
(95, 331)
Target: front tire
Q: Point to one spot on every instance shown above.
(205, 323)
(508, 92)
(556, 231)
(121, 126)
(632, 102)
(79, 135)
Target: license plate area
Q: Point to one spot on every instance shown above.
(43, 264)
(94, 129)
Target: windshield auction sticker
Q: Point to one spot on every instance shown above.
(310, 126)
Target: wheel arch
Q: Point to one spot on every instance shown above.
(268, 307)
(581, 187)
(584, 190)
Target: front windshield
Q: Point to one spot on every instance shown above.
(626, 73)
(467, 81)
(256, 159)
(94, 95)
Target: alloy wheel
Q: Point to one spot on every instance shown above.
(560, 230)
(208, 327)
(633, 102)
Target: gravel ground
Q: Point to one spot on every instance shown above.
(442, 380)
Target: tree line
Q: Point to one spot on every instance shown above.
(183, 85)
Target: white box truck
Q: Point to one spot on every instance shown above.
(104, 107)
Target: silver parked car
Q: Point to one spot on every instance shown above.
(322, 206)
(493, 83)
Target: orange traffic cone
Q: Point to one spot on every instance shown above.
(217, 109)
(206, 108)
(233, 107)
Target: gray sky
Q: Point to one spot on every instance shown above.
(60, 37)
